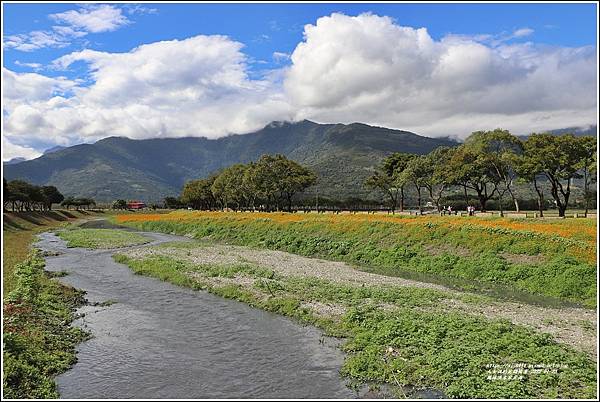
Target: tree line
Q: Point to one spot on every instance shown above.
(490, 164)
(22, 196)
(269, 184)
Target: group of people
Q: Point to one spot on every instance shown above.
(447, 210)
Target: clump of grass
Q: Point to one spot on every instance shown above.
(39, 342)
(431, 349)
(101, 238)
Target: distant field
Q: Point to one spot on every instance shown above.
(555, 258)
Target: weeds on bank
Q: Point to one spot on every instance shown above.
(39, 342)
(413, 343)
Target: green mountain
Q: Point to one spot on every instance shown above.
(118, 167)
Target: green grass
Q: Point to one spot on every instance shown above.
(39, 342)
(564, 269)
(100, 238)
(431, 348)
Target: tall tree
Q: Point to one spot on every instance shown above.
(435, 171)
(529, 169)
(416, 173)
(588, 165)
(560, 160)
(292, 179)
(387, 178)
(51, 195)
(197, 193)
(497, 151)
(467, 169)
(227, 187)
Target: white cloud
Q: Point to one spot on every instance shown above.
(365, 68)
(369, 69)
(33, 66)
(76, 24)
(139, 9)
(193, 87)
(27, 88)
(519, 33)
(10, 151)
(280, 57)
(35, 40)
(94, 19)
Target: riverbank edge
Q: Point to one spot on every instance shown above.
(38, 311)
(39, 339)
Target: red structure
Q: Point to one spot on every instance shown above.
(135, 205)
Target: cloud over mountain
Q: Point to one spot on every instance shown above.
(370, 69)
(364, 68)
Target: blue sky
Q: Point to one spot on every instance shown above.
(268, 28)
(76, 72)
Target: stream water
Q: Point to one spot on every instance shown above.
(158, 340)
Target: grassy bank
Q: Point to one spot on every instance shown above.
(550, 258)
(38, 340)
(19, 231)
(394, 335)
(100, 238)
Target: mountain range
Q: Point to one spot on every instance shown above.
(117, 167)
(343, 155)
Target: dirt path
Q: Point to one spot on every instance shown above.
(573, 326)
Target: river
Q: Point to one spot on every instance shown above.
(158, 340)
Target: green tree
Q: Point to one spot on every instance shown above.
(560, 159)
(435, 173)
(172, 203)
(20, 195)
(119, 204)
(5, 193)
(529, 169)
(386, 178)
(466, 168)
(417, 172)
(588, 166)
(292, 178)
(51, 195)
(497, 152)
(198, 195)
(228, 185)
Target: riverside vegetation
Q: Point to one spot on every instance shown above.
(550, 258)
(39, 342)
(100, 238)
(401, 335)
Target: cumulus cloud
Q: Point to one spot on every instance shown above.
(364, 68)
(367, 68)
(193, 87)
